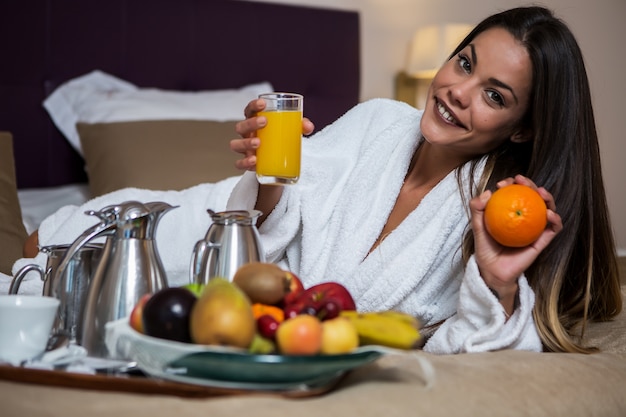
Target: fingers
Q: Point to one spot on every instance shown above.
(254, 107)
(247, 147)
(520, 179)
(547, 197)
(555, 225)
(479, 203)
(247, 128)
(307, 126)
(545, 194)
(477, 207)
(554, 221)
(248, 163)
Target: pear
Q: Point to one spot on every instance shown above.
(222, 316)
(261, 345)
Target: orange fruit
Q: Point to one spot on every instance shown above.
(299, 335)
(515, 215)
(260, 309)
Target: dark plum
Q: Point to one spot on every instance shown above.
(329, 310)
(166, 314)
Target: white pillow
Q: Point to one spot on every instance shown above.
(98, 97)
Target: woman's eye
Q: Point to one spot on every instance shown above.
(495, 97)
(464, 63)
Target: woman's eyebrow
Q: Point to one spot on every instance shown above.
(493, 80)
(473, 50)
(505, 86)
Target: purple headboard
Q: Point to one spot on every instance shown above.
(169, 44)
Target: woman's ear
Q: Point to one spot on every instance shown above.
(521, 136)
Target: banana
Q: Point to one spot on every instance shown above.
(398, 315)
(386, 328)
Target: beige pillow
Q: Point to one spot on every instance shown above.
(12, 231)
(157, 155)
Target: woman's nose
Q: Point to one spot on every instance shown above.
(460, 94)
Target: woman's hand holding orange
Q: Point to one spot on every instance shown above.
(249, 142)
(500, 266)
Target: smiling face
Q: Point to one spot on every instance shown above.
(478, 98)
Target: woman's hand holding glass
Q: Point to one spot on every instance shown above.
(249, 142)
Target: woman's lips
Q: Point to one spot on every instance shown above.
(446, 114)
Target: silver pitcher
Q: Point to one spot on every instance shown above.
(70, 287)
(231, 241)
(130, 266)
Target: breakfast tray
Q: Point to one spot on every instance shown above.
(140, 384)
(187, 370)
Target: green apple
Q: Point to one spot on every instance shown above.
(195, 288)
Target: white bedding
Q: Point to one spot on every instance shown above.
(39, 203)
(99, 97)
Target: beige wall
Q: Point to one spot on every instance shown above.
(387, 27)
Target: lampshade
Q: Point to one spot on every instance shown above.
(431, 46)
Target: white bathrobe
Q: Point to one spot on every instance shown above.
(177, 232)
(323, 228)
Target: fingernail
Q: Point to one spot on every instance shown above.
(261, 121)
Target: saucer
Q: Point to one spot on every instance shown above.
(64, 355)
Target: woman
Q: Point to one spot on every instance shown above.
(381, 204)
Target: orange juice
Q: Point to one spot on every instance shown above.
(278, 156)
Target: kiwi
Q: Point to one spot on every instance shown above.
(262, 282)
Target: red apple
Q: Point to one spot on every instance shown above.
(136, 315)
(323, 300)
(295, 288)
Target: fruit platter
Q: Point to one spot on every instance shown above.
(232, 368)
(261, 331)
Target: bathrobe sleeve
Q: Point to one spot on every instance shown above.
(480, 323)
(281, 227)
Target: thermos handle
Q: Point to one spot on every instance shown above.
(101, 229)
(17, 280)
(199, 261)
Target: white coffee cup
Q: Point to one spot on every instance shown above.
(25, 325)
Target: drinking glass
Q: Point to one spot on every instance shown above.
(278, 156)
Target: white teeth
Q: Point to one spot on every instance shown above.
(445, 114)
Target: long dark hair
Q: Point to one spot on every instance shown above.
(575, 279)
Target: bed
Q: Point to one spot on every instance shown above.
(188, 46)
